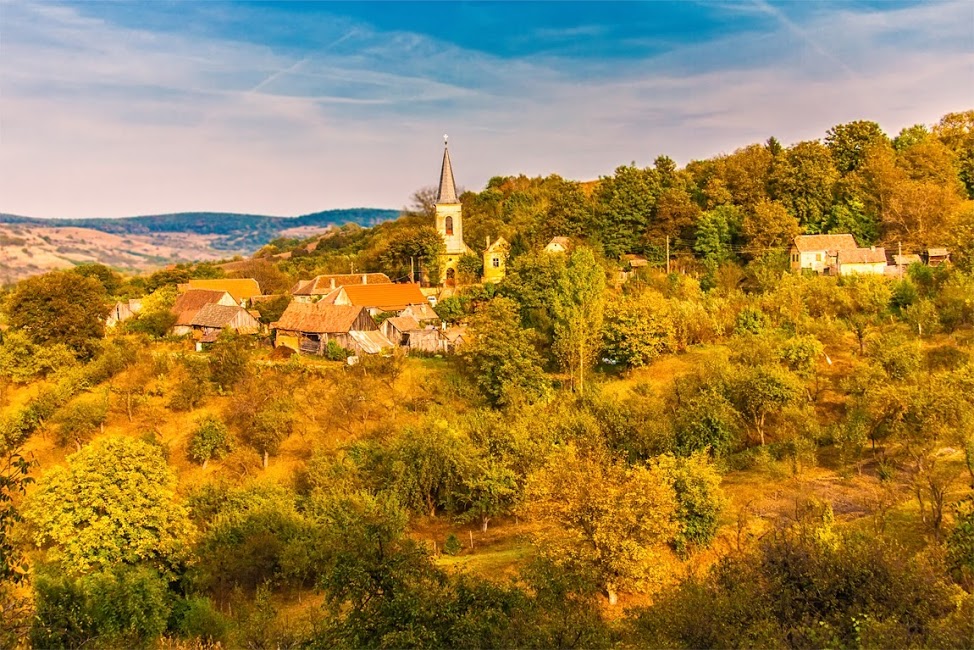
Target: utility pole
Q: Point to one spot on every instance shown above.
(412, 272)
(667, 255)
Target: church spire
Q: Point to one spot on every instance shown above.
(448, 188)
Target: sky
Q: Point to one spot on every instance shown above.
(111, 108)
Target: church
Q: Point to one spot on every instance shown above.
(449, 223)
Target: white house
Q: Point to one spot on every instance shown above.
(819, 252)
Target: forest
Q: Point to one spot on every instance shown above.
(708, 450)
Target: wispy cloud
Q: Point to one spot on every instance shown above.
(97, 119)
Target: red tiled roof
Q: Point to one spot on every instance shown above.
(387, 297)
(874, 255)
(239, 288)
(805, 243)
(322, 284)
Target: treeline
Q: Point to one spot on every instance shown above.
(913, 190)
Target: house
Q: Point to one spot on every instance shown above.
(122, 311)
(495, 260)
(213, 319)
(861, 261)
(454, 337)
(558, 245)
(322, 285)
(309, 327)
(635, 261)
(407, 332)
(818, 252)
(377, 298)
(937, 256)
(242, 289)
(189, 303)
(422, 312)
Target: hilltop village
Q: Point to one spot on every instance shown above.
(719, 405)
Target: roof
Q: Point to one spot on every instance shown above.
(371, 342)
(451, 334)
(635, 260)
(937, 252)
(906, 260)
(563, 241)
(499, 245)
(825, 242)
(317, 317)
(448, 188)
(404, 323)
(190, 302)
(219, 316)
(239, 288)
(322, 284)
(387, 297)
(421, 311)
(874, 255)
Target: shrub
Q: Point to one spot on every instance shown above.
(452, 545)
(210, 439)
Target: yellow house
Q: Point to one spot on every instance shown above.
(495, 260)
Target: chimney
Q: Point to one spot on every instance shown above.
(872, 248)
(365, 278)
(333, 283)
(488, 241)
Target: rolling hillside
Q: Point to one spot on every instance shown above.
(29, 246)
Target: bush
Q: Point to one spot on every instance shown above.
(210, 439)
(197, 618)
(452, 546)
(80, 419)
(335, 352)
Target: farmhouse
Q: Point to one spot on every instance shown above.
(406, 331)
(122, 311)
(242, 289)
(191, 302)
(558, 245)
(213, 319)
(861, 261)
(309, 328)
(322, 285)
(818, 252)
(377, 298)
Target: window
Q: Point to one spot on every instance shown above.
(449, 225)
(818, 257)
(497, 262)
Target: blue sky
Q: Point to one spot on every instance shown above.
(117, 108)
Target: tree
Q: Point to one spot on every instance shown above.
(716, 231)
(263, 413)
(210, 439)
(623, 208)
(637, 330)
(113, 502)
(78, 420)
(487, 492)
(502, 359)
(699, 499)
(60, 307)
(956, 130)
(762, 391)
(768, 226)
(604, 516)
(803, 180)
(108, 278)
(14, 478)
(421, 245)
(271, 310)
(850, 142)
(579, 308)
(229, 360)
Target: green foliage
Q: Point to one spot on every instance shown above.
(716, 231)
(502, 359)
(336, 352)
(191, 383)
(78, 420)
(452, 545)
(271, 310)
(60, 307)
(578, 313)
(801, 354)
(960, 545)
(699, 500)
(797, 590)
(197, 618)
(210, 439)
(121, 607)
(109, 279)
(262, 412)
(229, 360)
(849, 143)
(112, 503)
(898, 356)
(750, 320)
(21, 361)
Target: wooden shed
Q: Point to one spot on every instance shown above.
(213, 319)
(308, 327)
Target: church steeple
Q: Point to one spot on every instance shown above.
(448, 187)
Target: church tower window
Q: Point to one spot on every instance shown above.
(449, 225)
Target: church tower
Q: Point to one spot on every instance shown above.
(449, 219)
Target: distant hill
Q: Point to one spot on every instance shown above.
(237, 233)
(29, 246)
